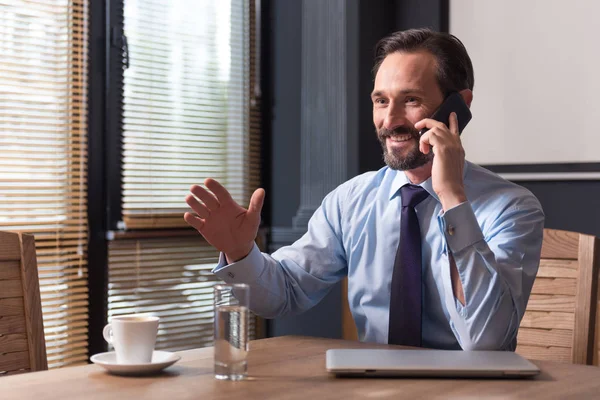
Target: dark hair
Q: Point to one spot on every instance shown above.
(454, 67)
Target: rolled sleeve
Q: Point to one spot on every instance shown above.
(246, 270)
(460, 227)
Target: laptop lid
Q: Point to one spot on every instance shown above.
(432, 363)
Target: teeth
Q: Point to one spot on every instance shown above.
(400, 138)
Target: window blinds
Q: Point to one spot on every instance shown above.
(190, 111)
(43, 95)
(169, 278)
(186, 105)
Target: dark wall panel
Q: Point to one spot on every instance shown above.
(285, 59)
(572, 206)
(285, 62)
(377, 19)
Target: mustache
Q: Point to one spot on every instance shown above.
(401, 130)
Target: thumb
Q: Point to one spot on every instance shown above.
(256, 201)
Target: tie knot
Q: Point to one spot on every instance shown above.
(411, 195)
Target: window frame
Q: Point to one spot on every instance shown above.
(108, 50)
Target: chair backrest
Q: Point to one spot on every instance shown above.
(22, 343)
(560, 320)
(349, 331)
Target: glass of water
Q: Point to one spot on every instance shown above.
(231, 331)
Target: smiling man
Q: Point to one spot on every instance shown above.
(439, 252)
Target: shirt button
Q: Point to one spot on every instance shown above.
(450, 230)
(231, 274)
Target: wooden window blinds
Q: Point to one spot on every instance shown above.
(43, 167)
(190, 111)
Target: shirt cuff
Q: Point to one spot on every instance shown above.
(246, 270)
(460, 227)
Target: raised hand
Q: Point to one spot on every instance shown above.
(449, 160)
(226, 225)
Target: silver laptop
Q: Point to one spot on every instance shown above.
(430, 363)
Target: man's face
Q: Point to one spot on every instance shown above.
(405, 92)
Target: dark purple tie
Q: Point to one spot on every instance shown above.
(405, 297)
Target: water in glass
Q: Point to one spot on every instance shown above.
(231, 341)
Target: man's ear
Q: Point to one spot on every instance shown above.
(467, 96)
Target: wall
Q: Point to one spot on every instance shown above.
(569, 205)
(536, 80)
(284, 55)
(284, 60)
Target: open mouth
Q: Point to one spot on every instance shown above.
(400, 138)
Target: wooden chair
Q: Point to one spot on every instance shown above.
(22, 344)
(349, 331)
(560, 320)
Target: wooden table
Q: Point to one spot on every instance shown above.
(291, 368)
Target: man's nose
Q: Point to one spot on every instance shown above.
(394, 117)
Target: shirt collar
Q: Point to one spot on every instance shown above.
(400, 180)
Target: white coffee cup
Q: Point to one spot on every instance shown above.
(133, 337)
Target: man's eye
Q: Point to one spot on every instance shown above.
(411, 100)
(380, 101)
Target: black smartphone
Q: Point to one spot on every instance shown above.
(453, 103)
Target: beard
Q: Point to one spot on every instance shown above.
(411, 160)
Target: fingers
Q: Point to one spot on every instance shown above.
(436, 141)
(429, 123)
(207, 198)
(212, 201)
(199, 208)
(194, 221)
(432, 123)
(453, 123)
(222, 194)
(432, 138)
(438, 133)
(428, 140)
(256, 201)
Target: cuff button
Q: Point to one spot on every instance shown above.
(450, 230)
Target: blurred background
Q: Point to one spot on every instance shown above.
(111, 109)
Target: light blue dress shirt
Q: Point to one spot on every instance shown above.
(495, 238)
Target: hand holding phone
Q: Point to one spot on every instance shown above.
(453, 103)
(448, 166)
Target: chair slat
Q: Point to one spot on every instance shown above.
(33, 306)
(548, 320)
(13, 324)
(558, 269)
(13, 342)
(551, 302)
(11, 288)
(549, 337)
(585, 306)
(16, 372)
(10, 270)
(10, 248)
(14, 361)
(560, 354)
(562, 286)
(11, 306)
(560, 244)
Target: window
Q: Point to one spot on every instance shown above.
(189, 111)
(43, 152)
(186, 116)
(185, 113)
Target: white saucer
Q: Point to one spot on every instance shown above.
(160, 361)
